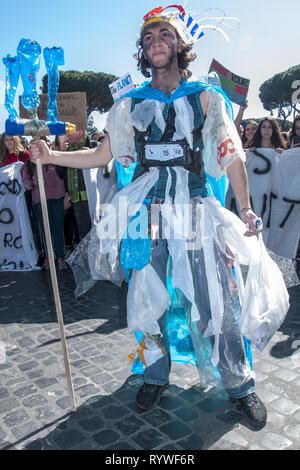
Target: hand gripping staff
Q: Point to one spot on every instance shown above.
(28, 58)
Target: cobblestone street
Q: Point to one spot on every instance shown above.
(34, 401)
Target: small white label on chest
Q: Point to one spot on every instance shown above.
(163, 152)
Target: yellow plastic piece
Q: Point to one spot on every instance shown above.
(70, 128)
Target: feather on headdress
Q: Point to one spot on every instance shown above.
(185, 24)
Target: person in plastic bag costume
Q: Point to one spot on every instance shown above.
(206, 253)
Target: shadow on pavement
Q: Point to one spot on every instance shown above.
(28, 298)
(290, 326)
(189, 419)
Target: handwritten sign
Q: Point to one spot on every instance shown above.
(274, 184)
(121, 86)
(17, 250)
(71, 108)
(235, 87)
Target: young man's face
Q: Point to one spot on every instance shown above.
(160, 45)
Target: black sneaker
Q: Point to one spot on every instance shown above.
(149, 395)
(253, 408)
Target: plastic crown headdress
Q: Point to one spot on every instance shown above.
(185, 23)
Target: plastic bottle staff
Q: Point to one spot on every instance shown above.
(29, 58)
(28, 55)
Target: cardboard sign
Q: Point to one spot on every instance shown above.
(274, 184)
(71, 108)
(235, 87)
(17, 250)
(121, 86)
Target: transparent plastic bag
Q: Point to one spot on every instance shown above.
(147, 300)
(266, 300)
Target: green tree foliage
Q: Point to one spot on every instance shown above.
(277, 93)
(94, 84)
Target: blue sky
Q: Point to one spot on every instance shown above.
(101, 35)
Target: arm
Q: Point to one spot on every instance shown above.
(239, 118)
(239, 181)
(83, 159)
(204, 102)
(293, 146)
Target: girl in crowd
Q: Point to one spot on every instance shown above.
(268, 135)
(249, 132)
(11, 150)
(295, 132)
(54, 178)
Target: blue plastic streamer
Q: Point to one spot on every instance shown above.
(12, 79)
(53, 58)
(29, 53)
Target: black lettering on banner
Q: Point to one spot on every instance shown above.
(272, 196)
(9, 241)
(264, 205)
(233, 206)
(12, 186)
(18, 245)
(8, 238)
(268, 167)
(6, 216)
(292, 202)
(7, 264)
(251, 203)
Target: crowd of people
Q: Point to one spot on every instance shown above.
(266, 133)
(65, 188)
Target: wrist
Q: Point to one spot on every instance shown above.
(52, 156)
(245, 209)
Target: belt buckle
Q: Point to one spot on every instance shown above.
(164, 154)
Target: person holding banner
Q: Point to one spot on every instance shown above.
(294, 137)
(11, 150)
(249, 132)
(170, 130)
(55, 193)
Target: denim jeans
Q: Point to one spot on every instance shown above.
(158, 373)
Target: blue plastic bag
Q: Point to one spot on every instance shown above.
(53, 58)
(29, 53)
(12, 79)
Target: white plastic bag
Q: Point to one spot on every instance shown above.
(266, 300)
(147, 300)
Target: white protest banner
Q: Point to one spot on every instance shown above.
(274, 184)
(71, 108)
(121, 86)
(17, 250)
(235, 87)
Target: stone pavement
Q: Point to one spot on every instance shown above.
(34, 402)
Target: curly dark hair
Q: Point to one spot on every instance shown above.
(185, 57)
(276, 139)
(292, 132)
